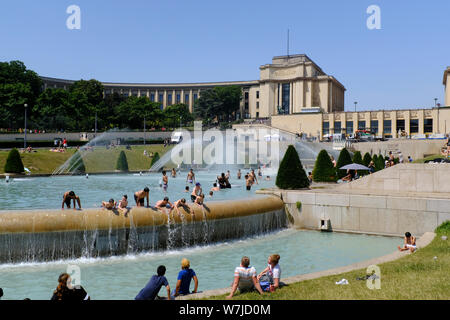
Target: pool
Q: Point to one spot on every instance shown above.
(122, 277)
(47, 192)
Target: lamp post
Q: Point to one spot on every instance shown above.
(435, 102)
(355, 104)
(144, 130)
(25, 138)
(436, 105)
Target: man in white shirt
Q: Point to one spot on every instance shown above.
(244, 278)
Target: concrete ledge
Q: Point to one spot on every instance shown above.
(422, 242)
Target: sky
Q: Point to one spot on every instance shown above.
(400, 65)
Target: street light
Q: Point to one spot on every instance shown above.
(355, 104)
(25, 138)
(435, 102)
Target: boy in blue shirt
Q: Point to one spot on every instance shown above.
(184, 279)
(150, 291)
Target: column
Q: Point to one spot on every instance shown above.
(165, 99)
(182, 96)
(191, 102)
(174, 97)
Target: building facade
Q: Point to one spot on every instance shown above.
(446, 83)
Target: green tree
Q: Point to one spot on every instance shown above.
(14, 162)
(133, 110)
(122, 163)
(357, 158)
(86, 98)
(218, 103)
(54, 111)
(177, 114)
(291, 174)
(366, 159)
(344, 159)
(379, 165)
(324, 170)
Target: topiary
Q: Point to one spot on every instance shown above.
(357, 158)
(76, 164)
(291, 174)
(14, 163)
(154, 159)
(344, 159)
(324, 170)
(379, 165)
(366, 159)
(122, 163)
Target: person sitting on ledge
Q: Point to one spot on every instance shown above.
(165, 203)
(150, 291)
(110, 205)
(140, 196)
(180, 203)
(199, 200)
(245, 278)
(184, 279)
(67, 292)
(409, 243)
(70, 195)
(350, 176)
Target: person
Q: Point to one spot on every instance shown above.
(248, 182)
(215, 187)
(70, 195)
(199, 200)
(410, 159)
(140, 196)
(184, 279)
(310, 177)
(196, 191)
(259, 172)
(409, 243)
(65, 143)
(269, 278)
(186, 189)
(371, 167)
(1, 293)
(190, 176)
(391, 156)
(239, 174)
(222, 181)
(174, 173)
(151, 290)
(245, 278)
(227, 176)
(267, 178)
(448, 145)
(180, 203)
(67, 292)
(165, 181)
(350, 175)
(110, 205)
(211, 193)
(165, 203)
(333, 161)
(124, 202)
(253, 175)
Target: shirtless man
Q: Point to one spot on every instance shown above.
(239, 174)
(248, 182)
(70, 195)
(190, 176)
(174, 173)
(165, 181)
(215, 187)
(111, 204)
(199, 200)
(165, 203)
(180, 203)
(124, 202)
(140, 196)
(253, 175)
(196, 192)
(409, 243)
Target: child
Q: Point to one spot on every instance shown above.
(111, 204)
(211, 193)
(199, 199)
(248, 182)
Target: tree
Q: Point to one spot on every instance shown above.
(218, 103)
(324, 170)
(14, 162)
(122, 163)
(357, 158)
(291, 174)
(177, 114)
(379, 165)
(54, 111)
(344, 159)
(133, 110)
(366, 159)
(154, 159)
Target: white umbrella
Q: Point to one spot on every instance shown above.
(354, 166)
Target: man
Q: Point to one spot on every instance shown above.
(165, 203)
(196, 191)
(139, 197)
(184, 279)
(180, 203)
(165, 181)
(245, 278)
(110, 205)
(190, 176)
(70, 195)
(239, 174)
(150, 291)
(409, 243)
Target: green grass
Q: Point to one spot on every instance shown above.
(428, 158)
(100, 160)
(413, 277)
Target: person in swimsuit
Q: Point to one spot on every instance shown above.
(174, 173)
(140, 196)
(110, 205)
(180, 203)
(165, 203)
(248, 182)
(124, 202)
(239, 174)
(253, 175)
(196, 192)
(409, 243)
(227, 176)
(70, 195)
(215, 187)
(259, 172)
(199, 200)
(190, 176)
(165, 181)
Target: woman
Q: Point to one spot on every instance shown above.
(65, 290)
(269, 278)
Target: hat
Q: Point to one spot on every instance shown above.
(198, 184)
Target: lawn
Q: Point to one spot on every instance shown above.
(101, 159)
(416, 276)
(428, 158)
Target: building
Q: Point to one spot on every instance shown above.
(297, 96)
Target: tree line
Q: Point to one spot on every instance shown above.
(77, 108)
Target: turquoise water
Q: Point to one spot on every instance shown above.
(122, 277)
(47, 192)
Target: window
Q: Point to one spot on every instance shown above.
(186, 98)
(152, 97)
(134, 93)
(374, 126)
(349, 127)
(169, 99)
(326, 127)
(401, 125)
(161, 97)
(285, 97)
(361, 125)
(178, 98)
(428, 125)
(414, 125)
(387, 126)
(257, 94)
(257, 104)
(337, 127)
(195, 96)
(257, 114)
(246, 96)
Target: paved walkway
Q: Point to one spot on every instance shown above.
(424, 240)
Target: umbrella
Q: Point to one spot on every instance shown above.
(354, 166)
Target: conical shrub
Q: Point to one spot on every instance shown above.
(76, 164)
(366, 159)
(379, 165)
(343, 160)
(324, 171)
(290, 172)
(357, 158)
(122, 163)
(14, 163)
(154, 159)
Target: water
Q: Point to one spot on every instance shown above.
(122, 277)
(47, 192)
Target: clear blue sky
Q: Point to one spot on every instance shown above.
(399, 66)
